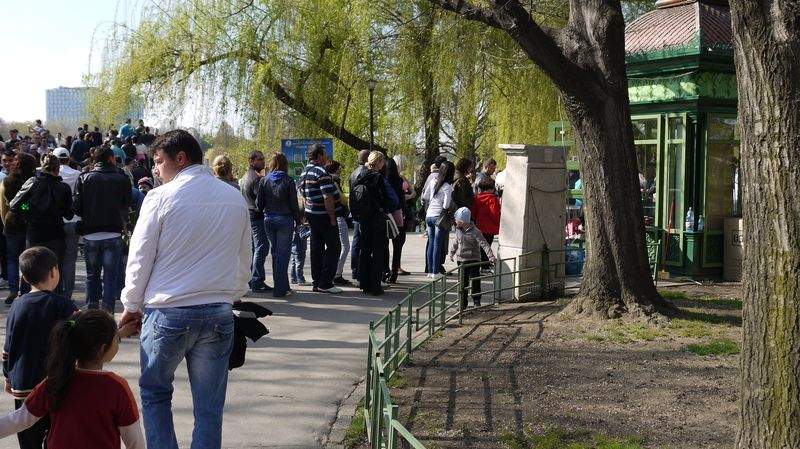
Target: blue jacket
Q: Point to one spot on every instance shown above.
(28, 327)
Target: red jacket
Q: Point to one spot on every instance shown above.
(486, 213)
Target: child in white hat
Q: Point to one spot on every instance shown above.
(466, 250)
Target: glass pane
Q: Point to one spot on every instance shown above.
(674, 184)
(646, 161)
(722, 128)
(722, 194)
(562, 134)
(675, 126)
(645, 129)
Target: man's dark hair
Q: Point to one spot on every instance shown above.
(464, 166)
(489, 162)
(439, 159)
(173, 142)
(103, 154)
(315, 151)
(255, 155)
(363, 155)
(35, 264)
(486, 184)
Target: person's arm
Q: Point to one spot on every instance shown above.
(68, 214)
(447, 192)
(142, 254)
(132, 436)
(261, 200)
(328, 189)
(22, 196)
(454, 246)
(294, 205)
(17, 421)
(77, 197)
(245, 255)
(3, 203)
(393, 202)
(484, 244)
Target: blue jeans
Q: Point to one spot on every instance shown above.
(299, 247)
(203, 335)
(279, 230)
(260, 250)
(102, 255)
(437, 245)
(15, 245)
(355, 248)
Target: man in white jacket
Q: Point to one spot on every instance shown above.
(189, 260)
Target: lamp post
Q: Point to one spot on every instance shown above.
(371, 83)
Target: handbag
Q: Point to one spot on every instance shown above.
(391, 227)
(447, 219)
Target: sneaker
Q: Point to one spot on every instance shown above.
(384, 285)
(261, 289)
(403, 272)
(293, 281)
(333, 290)
(10, 298)
(341, 281)
(303, 283)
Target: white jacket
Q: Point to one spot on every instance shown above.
(191, 244)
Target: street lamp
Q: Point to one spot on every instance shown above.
(371, 84)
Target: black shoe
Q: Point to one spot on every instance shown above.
(341, 281)
(261, 289)
(315, 289)
(378, 292)
(10, 298)
(403, 272)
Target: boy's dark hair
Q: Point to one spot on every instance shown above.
(78, 339)
(363, 155)
(486, 184)
(315, 151)
(438, 161)
(173, 142)
(35, 264)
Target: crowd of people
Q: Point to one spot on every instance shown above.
(178, 256)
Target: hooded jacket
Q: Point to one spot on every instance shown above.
(277, 195)
(47, 202)
(102, 199)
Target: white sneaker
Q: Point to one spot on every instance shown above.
(332, 290)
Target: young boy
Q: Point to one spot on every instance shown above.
(486, 213)
(467, 250)
(28, 327)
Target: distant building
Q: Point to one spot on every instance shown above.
(66, 107)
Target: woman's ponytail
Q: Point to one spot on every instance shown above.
(78, 339)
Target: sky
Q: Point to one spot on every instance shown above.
(46, 44)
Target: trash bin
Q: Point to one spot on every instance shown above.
(733, 252)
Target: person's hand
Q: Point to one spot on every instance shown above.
(493, 259)
(8, 387)
(452, 258)
(129, 317)
(129, 328)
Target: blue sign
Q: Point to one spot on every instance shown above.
(296, 150)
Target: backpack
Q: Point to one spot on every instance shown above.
(363, 201)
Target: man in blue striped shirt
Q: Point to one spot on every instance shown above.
(321, 201)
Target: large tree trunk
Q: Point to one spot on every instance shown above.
(586, 62)
(767, 50)
(616, 275)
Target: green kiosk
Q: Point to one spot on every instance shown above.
(682, 89)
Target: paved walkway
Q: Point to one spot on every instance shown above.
(289, 390)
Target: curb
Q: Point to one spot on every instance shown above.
(347, 408)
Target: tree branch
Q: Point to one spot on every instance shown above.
(472, 12)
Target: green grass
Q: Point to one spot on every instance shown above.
(702, 301)
(356, 433)
(560, 439)
(397, 381)
(716, 347)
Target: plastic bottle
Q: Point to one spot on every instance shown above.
(701, 224)
(690, 220)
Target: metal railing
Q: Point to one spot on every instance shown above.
(404, 328)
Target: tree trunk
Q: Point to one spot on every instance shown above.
(432, 114)
(616, 274)
(586, 62)
(767, 51)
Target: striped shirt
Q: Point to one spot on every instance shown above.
(317, 185)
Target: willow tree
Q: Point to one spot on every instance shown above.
(766, 38)
(287, 61)
(585, 59)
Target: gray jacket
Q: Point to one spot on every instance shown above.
(468, 243)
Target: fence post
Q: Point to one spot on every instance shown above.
(387, 345)
(443, 304)
(396, 343)
(431, 307)
(370, 349)
(410, 322)
(461, 293)
(392, 443)
(544, 273)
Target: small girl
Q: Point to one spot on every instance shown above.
(87, 407)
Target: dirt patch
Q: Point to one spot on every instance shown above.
(515, 372)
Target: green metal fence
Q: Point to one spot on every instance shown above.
(394, 337)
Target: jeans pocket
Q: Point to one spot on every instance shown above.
(222, 337)
(168, 338)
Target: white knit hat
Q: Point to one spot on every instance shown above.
(463, 214)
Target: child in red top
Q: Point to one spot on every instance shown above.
(486, 212)
(89, 408)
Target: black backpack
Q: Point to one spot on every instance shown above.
(363, 201)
